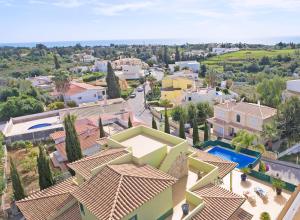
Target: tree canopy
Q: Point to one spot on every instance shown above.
(73, 148)
(45, 174)
(17, 185)
(113, 87)
(270, 91)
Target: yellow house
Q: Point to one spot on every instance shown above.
(173, 88)
(143, 174)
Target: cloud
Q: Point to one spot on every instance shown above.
(266, 4)
(117, 9)
(69, 3)
(6, 2)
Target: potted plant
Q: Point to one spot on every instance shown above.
(185, 208)
(278, 184)
(245, 171)
(265, 216)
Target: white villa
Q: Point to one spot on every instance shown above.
(84, 93)
(220, 50)
(100, 65)
(207, 95)
(192, 65)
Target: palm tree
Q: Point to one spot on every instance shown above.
(246, 140)
(270, 132)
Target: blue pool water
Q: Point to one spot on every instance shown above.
(39, 125)
(242, 159)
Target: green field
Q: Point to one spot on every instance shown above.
(243, 56)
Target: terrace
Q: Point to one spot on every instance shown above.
(273, 205)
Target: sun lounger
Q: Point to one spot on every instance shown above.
(250, 197)
(261, 192)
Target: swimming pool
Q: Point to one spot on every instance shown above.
(40, 125)
(241, 159)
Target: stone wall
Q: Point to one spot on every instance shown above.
(179, 168)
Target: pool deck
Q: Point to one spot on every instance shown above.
(273, 205)
(22, 127)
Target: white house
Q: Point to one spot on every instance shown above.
(100, 65)
(84, 93)
(292, 89)
(220, 50)
(192, 65)
(208, 95)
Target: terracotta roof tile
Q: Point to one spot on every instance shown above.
(75, 88)
(117, 190)
(219, 204)
(45, 203)
(225, 166)
(72, 213)
(241, 214)
(257, 110)
(85, 165)
(81, 126)
(86, 141)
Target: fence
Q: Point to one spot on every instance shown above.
(266, 178)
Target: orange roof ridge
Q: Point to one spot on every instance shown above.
(40, 194)
(116, 198)
(99, 154)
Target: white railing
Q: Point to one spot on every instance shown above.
(294, 149)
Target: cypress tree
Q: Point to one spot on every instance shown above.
(206, 134)
(181, 129)
(112, 81)
(195, 133)
(129, 122)
(73, 148)
(154, 126)
(167, 125)
(17, 185)
(101, 130)
(56, 63)
(177, 54)
(45, 174)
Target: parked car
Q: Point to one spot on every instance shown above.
(140, 89)
(132, 95)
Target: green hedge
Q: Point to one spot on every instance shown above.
(266, 178)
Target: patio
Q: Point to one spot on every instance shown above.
(273, 205)
(179, 191)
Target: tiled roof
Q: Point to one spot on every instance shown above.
(76, 87)
(48, 202)
(85, 165)
(219, 203)
(215, 120)
(117, 190)
(72, 213)
(241, 214)
(81, 126)
(86, 141)
(225, 166)
(260, 111)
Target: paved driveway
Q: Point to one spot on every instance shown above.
(286, 171)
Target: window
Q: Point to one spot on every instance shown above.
(95, 95)
(190, 98)
(103, 92)
(79, 97)
(81, 208)
(238, 118)
(133, 217)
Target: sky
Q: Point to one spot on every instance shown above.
(206, 20)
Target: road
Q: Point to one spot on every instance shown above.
(137, 106)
